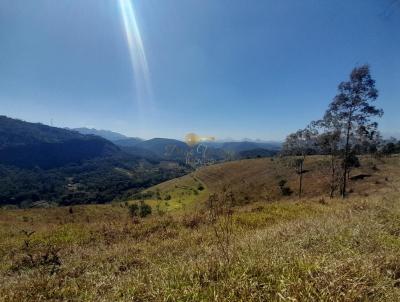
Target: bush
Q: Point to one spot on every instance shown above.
(200, 187)
(145, 210)
(133, 210)
(282, 183)
(285, 191)
(193, 221)
(167, 197)
(141, 210)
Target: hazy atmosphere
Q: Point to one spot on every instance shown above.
(224, 68)
(200, 150)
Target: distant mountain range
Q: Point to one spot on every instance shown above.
(128, 141)
(238, 147)
(175, 149)
(107, 134)
(39, 163)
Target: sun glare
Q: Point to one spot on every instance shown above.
(137, 53)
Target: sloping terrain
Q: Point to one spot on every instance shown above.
(258, 179)
(29, 145)
(46, 166)
(109, 135)
(316, 249)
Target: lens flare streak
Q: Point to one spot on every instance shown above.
(136, 51)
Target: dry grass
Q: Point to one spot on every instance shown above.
(257, 179)
(309, 250)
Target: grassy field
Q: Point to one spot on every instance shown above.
(257, 180)
(183, 193)
(268, 248)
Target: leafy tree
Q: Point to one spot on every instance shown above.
(352, 111)
(300, 144)
(391, 146)
(328, 142)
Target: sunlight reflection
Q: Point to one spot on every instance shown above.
(137, 54)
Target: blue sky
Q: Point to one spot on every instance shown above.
(239, 69)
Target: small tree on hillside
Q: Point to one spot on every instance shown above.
(368, 142)
(352, 110)
(300, 144)
(328, 142)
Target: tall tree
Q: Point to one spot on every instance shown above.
(353, 111)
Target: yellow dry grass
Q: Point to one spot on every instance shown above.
(314, 249)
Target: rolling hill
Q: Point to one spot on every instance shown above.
(28, 145)
(284, 249)
(53, 166)
(171, 149)
(107, 134)
(258, 179)
(164, 147)
(128, 142)
(238, 147)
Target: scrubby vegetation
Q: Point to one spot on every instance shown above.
(314, 249)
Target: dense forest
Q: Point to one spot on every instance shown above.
(43, 165)
(98, 180)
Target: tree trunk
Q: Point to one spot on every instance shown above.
(332, 176)
(301, 176)
(346, 155)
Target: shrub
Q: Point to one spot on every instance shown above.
(282, 183)
(220, 207)
(285, 191)
(133, 210)
(144, 209)
(167, 197)
(193, 221)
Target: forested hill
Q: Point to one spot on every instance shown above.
(50, 165)
(28, 145)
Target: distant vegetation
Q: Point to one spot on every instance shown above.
(257, 153)
(109, 135)
(29, 145)
(98, 180)
(44, 166)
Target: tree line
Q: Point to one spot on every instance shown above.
(348, 128)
